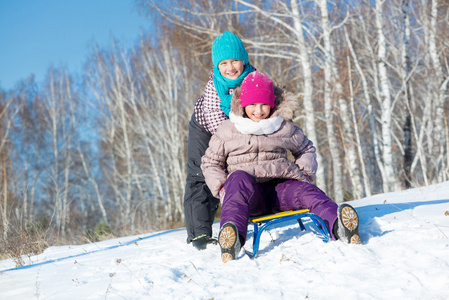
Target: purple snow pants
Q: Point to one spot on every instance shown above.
(245, 198)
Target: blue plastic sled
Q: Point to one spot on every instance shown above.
(323, 232)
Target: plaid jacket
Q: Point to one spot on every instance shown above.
(207, 108)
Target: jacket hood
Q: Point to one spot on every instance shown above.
(285, 104)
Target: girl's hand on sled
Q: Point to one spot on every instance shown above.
(222, 194)
(308, 179)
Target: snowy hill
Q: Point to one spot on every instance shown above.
(404, 255)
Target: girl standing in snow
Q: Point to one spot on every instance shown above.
(247, 166)
(231, 66)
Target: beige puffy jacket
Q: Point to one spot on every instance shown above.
(262, 154)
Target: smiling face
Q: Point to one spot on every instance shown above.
(231, 68)
(257, 111)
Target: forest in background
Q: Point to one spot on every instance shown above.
(100, 154)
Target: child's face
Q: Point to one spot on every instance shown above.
(231, 68)
(257, 111)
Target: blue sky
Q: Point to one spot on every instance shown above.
(35, 34)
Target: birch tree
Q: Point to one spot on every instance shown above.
(143, 95)
(406, 66)
(360, 154)
(443, 79)
(390, 179)
(330, 79)
(107, 82)
(170, 112)
(8, 110)
(309, 110)
(57, 98)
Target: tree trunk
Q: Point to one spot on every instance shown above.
(439, 104)
(390, 178)
(408, 150)
(310, 124)
(329, 107)
(368, 104)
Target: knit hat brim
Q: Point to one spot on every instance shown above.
(228, 46)
(265, 96)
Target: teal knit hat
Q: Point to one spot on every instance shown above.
(227, 46)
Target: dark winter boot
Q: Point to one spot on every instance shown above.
(200, 242)
(347, 225)
(229, 241)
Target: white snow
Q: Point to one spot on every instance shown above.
(404, 255)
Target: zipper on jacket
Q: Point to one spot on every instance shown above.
(257, 153)
(258, 149)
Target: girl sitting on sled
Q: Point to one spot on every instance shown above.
(246, 165)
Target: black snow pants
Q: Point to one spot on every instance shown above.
(199, 204)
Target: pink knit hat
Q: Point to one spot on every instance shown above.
(257, 88)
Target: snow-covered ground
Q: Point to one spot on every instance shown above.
(404, 255)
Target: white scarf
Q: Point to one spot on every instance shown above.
(248, 126)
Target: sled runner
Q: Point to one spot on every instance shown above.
(299, 215)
